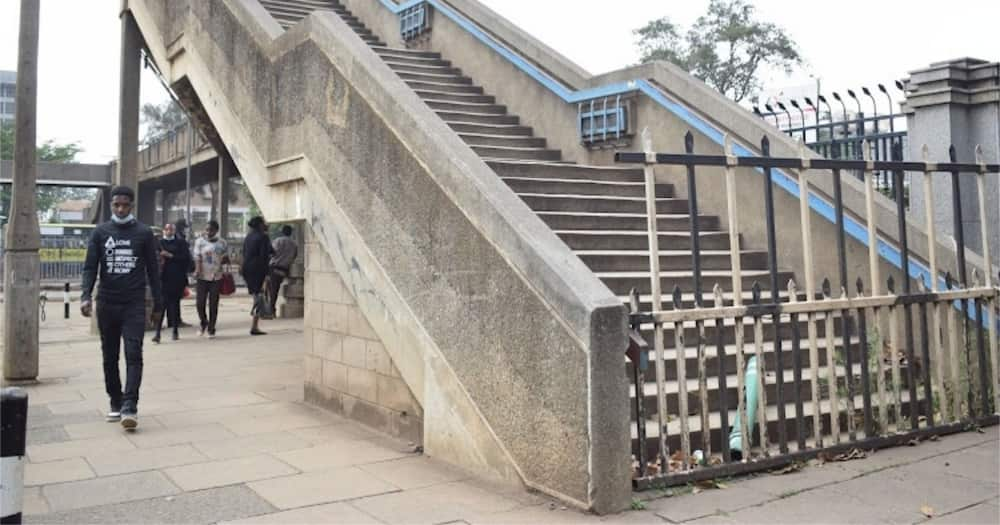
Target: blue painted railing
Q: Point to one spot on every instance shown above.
(825, 209)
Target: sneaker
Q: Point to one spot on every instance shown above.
(175, 336)
(130, 421)
(201, 333)
(114, 415)
(211, 334)
(257, 332)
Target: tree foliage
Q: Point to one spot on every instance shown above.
(160, 119)
(727, 47)
(47, 197)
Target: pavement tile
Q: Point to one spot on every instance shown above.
(976, 463)
(415, 472)
(227, 472)
(58, 471)
(72, 407)
(343, 430)
(823, 507)
(329, 513)
(325, 486)
(809, 477)
(33, 502)
(290, 394)
(691, 506)
(44, 435)
(162, 437)
(205, 506)
(102, 491)
(250, 445)
(48, 419)
(99, 429)
(543, 514)
(109, 464)
(340, 455)
(273, 423)
(437, 504)
(983, 513)
(909, 487)
(77, 448)
(224, 400)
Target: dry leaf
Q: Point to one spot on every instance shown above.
(935, 437)
(927, 510)
(788, 469)
(696, 490)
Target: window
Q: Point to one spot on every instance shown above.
(7, 90)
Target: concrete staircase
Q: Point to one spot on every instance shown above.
(600, 213)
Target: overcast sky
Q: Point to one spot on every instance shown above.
(847, 43)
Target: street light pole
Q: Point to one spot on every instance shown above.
(21, 264)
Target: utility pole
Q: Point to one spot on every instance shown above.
(21, 265)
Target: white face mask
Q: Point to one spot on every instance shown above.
(170, 238)
(128, 218)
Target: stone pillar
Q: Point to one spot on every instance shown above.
(956, 103)
(128, 103)
(226, 171)
(21, 265)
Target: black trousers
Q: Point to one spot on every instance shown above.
(208, 292)
(172, 311)
(118, 321)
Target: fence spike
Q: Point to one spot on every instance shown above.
(925, 153)
(921, 286)
(866, 151)
(765, 146)
(891, 284)
(677, 296)
(976, 282)
(689, 142)
(633, 297)
(860, 285)
(948, 280)
(843, 292)
(952, 155)
(792, 289)
(717, 295)
(755, 292)
(647, 140)
(826, 287)
(980, 158)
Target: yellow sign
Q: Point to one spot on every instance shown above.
(62, 254)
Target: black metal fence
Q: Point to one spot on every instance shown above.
(874, 365)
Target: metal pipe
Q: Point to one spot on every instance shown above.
(752, 393)
(187, 171)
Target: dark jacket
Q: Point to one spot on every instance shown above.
(175, 269)
(125, 257)
(256, 256)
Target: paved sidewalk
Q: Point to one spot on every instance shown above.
(224, 437)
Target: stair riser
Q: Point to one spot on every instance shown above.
(635, 263)
(457, 97)
(477, 109)
(504, 142)
(517, 154)
(416, 60)
(424, 68)
(664, 224)
(716, 436)
(712, 241)
(598, 205)
(507, 131)
(439, 79)
(455, 116)
(301, 4)
(622, 285)
(450, 88)
(571, 187)
(408, 53)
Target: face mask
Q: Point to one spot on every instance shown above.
(128, 219)
(170, 238)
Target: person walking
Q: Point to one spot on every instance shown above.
(209, 257)
(256, 258)
(122, 253)
(285, 252)
(175, 257)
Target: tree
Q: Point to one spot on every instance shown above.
(49, 151)
(161, 119)
(727, 47)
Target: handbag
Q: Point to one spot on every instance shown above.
(262, 303)
(227, 286)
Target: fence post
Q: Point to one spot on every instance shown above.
(14, 405)
(66, 301)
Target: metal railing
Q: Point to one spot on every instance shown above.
(169, 147)
(414, 21)
(602, 120)
(834, 389)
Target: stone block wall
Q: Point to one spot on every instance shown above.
(347, 368)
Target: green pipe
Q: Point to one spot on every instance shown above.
(736, 435)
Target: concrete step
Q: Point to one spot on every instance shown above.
(586, 187)
(456, 97)
(434, 68)
(388, 56)
(438, 79)
(541, 170)
(450, 88)
(600, 203)
(620, 283)
(305, 4)
(625, 221)
(638, 240)
(506, 130)
(407, 53)
(476, 139)
(500, 152)
(465, 107)
(638, 260)
(474, 118)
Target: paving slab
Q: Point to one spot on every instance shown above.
(341, 454)
(44, 419)
(111, 463)
(102, 491)
(227, 472)
(274, 423)
(342, 430)
(77, 448)
(437, 504)
(976, 463)
(415, 472)
(58, 471)
(34, 503)
(205, 506)
(45, 435)
(808, 477)
(822, 507)
(706, 503)
(325, 486)
(102, 428)
(162, 437)
(983, 513)
(250, 445)
(329, 513)
(555, 514)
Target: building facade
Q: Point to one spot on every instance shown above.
(8, 83)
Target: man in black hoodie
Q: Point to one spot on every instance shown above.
(123, 252)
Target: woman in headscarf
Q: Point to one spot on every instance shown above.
(257, 252)
(175, 256)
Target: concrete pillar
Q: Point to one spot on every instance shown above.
(956, 103)
(128, 103)
(21, 265)
(226, 170)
